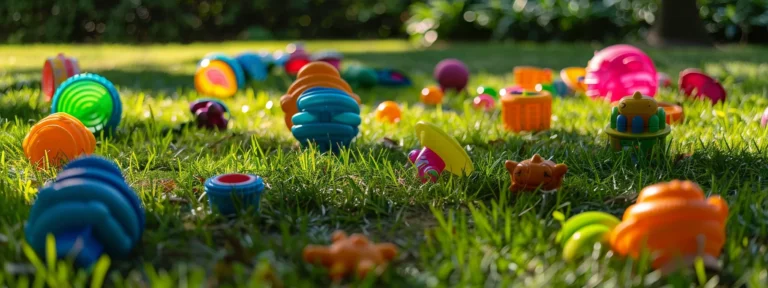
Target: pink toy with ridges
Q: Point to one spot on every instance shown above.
(430, 165)
(618, 71)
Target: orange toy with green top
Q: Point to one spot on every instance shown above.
(528, 77)
(673, 221)
(526, 111)
(314, 74)
(57, 138)
(350, 254)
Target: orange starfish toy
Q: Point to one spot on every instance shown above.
(347, 254)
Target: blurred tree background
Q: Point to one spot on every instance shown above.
(424, 22)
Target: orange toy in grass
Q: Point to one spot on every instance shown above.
(314, 74)
(58, 137)
(432, 95)
(673, 221)
(388, 111)
(350, 254)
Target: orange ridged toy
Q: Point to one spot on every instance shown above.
(673, 221)
(524, 111)
(314, 74)
(347, 254)
(59, 137)
(528, 77)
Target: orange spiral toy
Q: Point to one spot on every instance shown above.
(673, 221)
(57, 137)
(314, 74)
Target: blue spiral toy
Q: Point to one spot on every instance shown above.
(90, 210)
(328, 117)
(234, 192)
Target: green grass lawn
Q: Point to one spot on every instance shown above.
(458, 232)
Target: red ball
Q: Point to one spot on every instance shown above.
(452, 74)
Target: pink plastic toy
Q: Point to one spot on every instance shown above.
(439, 153)
(764, 122)
(484, 101)
(619, 71)
(704, 86)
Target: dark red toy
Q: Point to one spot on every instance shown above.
(451, 74)
(696, 84)
(209, 113)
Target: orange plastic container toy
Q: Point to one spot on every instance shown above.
(673, 221)
(314, 74)
(347, 254)
(55, 138)
(527, 111)
(528, 77)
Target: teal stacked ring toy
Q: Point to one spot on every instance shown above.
(90, 98)
(234, 192)
(90, 210)
(328, 117)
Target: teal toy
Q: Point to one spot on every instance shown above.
(230, 193)
(90, 210)
(361, 76)
(637, 122)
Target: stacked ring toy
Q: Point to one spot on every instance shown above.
(56, 139)
(581, 232)
(328, 117)
(90, 210)
(230, 193)
(672, 220)
(55, 71)
(90, 98)
(210, 113)
(315, 74)
(219, 75)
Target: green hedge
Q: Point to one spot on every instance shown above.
(23, 21)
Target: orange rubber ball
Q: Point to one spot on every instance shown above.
(432, 95)
(388, 111)
(57, 138)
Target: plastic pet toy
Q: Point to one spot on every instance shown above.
(55, 71)
(528, 77)
(90, 211)
(526, 111)
(234, 192)
(332, 57)
(328, 117)
(391, 77)
(90, 98)
(695, 84)
(56, 139)
(297, 59)
(439, 152)
(619, 71)
(210, 114)
(672, 221)
(487, 91)
(674, 112)
(348, 254)
(431, 95)
(451, 74)
(219, 75)
(637, 121)
(764, 121)
(315, 74)
(388, 111)
(581, 232)
(484, 102)
(360, 76)
(535, 173)
(573, 77)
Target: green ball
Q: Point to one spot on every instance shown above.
(361, 76)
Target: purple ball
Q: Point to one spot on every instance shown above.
(764, 121)
(452, 74)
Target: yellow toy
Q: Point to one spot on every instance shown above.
(637, 121)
